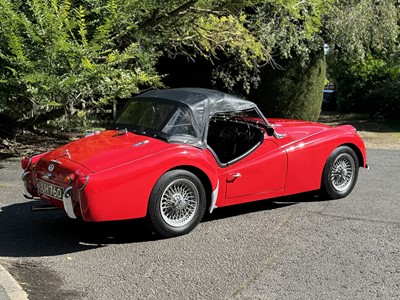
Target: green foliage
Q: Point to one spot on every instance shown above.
(288, 30)
(78, 55)
(82, 54)
(59, 54)
(384, 101)
(295, 92)
(357, 28)
(364, 79)
(364, 40)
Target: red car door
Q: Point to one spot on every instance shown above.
(260, 175)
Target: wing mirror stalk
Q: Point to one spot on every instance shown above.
(271, 132)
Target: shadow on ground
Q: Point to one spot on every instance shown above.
(33, 234)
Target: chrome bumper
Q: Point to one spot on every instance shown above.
(25, 192)
(66, 199)
(68, 206)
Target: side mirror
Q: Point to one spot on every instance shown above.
(270, 131)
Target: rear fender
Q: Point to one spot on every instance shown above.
(129, 185)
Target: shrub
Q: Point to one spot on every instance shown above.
(294, 92)
(384, 102)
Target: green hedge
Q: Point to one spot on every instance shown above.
(384, 102)
(295, 92)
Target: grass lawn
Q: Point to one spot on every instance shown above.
(378, 134)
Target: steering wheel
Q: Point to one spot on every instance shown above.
(246, 132)
(232, 135)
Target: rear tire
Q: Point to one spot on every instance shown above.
(340, 173)
(177, 203)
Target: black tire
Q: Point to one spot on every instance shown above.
(177, 203)
(340, 173)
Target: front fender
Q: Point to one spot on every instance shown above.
(307, 157)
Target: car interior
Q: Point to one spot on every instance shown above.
(230, 139)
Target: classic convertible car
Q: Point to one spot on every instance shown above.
(172, 154)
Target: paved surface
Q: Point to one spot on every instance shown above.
(9, 287)
(296, 248)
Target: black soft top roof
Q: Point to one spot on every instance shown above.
(205, 99)
(202, 102)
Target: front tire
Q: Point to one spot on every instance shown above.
(340, 173)
(177, 203)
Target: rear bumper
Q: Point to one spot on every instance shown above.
(66, 199)
(25, 184)
(68, 205)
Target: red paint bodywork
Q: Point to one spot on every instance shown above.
(122, 169)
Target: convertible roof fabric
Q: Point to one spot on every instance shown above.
(203, 103)
(214, 101)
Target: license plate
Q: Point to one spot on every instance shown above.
(50, 190)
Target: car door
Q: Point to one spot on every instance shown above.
(260, 175)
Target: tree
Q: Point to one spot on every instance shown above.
(294, 92)
(364, 60)
(79, 54)
(56, 55)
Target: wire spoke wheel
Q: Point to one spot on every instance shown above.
(342, 172)
(179, 202)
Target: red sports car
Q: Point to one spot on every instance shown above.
(172, 154)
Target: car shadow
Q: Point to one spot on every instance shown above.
(47, 233)
(32, 234)
(269, 204)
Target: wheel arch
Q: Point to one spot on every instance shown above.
(204, 178)
(358, 152)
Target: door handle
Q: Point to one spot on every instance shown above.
(233, 176)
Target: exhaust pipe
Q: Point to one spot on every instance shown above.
(44, 207)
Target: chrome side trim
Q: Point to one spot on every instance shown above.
(214, 197)
(86, 182)
(244, 154)
(68, 206)
(54, 161)
(140, 143)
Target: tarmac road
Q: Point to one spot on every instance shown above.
(295, 248)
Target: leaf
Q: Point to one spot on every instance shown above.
(86, 62)
(54, 104)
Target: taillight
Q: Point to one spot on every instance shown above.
(69, 178)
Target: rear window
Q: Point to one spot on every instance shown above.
(148, 114)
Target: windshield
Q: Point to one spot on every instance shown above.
(250, 115)
(156, 118)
